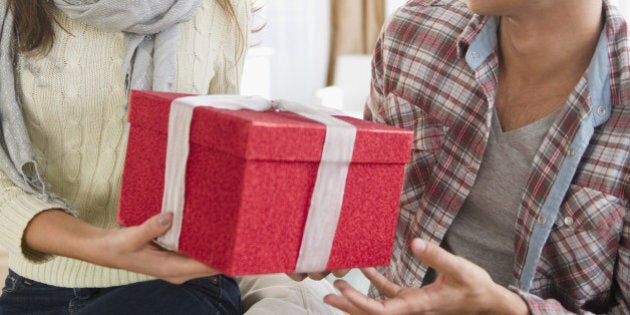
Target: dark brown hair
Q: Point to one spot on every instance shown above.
(34, 20)
(33, 25)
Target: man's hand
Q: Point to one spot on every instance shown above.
(461, 288)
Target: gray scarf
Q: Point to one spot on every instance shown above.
(151, 40)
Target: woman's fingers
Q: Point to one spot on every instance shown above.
(136, 251)
(317, 275)
(297, 276)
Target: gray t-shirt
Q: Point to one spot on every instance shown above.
(484, 229)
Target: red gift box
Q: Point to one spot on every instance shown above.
(249, 180)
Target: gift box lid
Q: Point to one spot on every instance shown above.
(255, 135)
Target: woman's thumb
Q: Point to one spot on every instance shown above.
(156, 226)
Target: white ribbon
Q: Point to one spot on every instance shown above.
(177, 149)
(327, 197)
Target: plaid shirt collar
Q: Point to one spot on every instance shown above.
(589, 108)
(479, 41)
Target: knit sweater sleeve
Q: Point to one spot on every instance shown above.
(17, 209)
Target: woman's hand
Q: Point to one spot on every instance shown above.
(133, 249)
(461, 288)
(128, 248)
(318, 275)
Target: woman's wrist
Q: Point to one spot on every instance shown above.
(56, 232)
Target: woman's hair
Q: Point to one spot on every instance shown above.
(34, 20)
(33, 25)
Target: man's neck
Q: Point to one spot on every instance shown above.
(552, 43)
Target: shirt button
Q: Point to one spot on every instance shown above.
(568, 221)
(601, 111)
(433, 228)
(470, 179)
(571, 152)
(475, 55)
(542, 220)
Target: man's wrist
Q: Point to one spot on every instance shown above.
(505, 301)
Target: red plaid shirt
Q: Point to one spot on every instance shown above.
(435, 72)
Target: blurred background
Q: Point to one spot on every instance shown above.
(319, 50)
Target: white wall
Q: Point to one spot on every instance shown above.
(625, 6)
(290, 57)
(392, 5)
(296, 34)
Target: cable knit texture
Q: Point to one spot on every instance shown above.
(74, 110)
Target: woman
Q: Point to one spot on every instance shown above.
(66, 68)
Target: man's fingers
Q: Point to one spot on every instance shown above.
(436, 257)
(356, 301)
(342, 303)
(363, 304)
(384, 286)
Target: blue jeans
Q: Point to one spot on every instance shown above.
(210, 295)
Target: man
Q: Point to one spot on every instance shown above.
(519, 186)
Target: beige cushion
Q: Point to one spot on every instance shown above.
(278, 294)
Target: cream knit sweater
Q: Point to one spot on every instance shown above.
(74, 110)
